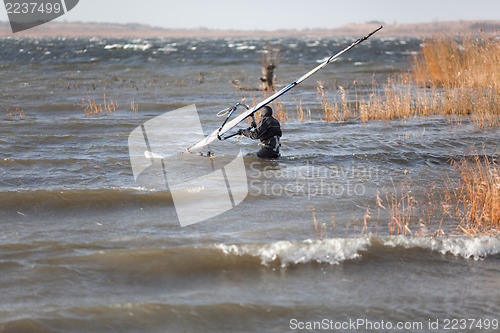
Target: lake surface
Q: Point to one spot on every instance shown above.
(84, 248)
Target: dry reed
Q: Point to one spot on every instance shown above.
(91, 107)
(457, 78)
(462, 77)
(465, 61)
(332, 111)
(469, 205)
(279, 110)
(303, 115)
(134, 107)
(17, 112)
(402, 206)
(475, 202)
(315, 222)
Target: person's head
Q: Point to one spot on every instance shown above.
(266, 111)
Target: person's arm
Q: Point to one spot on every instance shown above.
(261, 128)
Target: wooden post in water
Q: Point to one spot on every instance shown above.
(270, 60)
(267, 78)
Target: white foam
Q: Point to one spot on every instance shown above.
(466, 247)
(113, 46)
(241, 46)
(322, 60)
(168, 48)
(331, 251)
(135, 47)
(336, 250)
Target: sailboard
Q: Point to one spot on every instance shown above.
(228, 125)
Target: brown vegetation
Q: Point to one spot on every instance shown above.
(475, 201)
(466, 61)
(91, 107)
(467, 206)
(14, 113)
(470, 205)
(457, 78)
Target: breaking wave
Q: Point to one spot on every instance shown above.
(335, 251)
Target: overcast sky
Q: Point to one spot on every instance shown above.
(276, 14)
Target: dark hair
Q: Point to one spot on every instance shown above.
(266, 111)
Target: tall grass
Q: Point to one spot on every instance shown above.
(456, 77)
(471, 204)
(465, 61)
(303, 115)
(402, 205)
(397, 99)
(134, 107)
(91, 107)
(466, 205)
(14, 113)
(475, 202)
(467, 69)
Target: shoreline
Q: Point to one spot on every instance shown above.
(89, 29)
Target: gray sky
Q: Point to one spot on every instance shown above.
(276, 14)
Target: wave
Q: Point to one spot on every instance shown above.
(9, 161)
(155, 261)
(465, 247)
(129, 46)
(330, 251)
(166, 317)
(338, 250)
(163, 257)
(62, 199)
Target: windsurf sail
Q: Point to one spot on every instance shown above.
(228, 125)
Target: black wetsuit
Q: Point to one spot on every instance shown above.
(268, 131)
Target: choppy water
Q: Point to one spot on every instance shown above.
(83, 248)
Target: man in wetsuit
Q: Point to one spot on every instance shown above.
(268, 131)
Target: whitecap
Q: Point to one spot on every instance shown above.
(465, 247)
(134, 47)
(337, 250)
(137, 47)
(330, 251)
(168, 48)
(113, 46)
(323, 60)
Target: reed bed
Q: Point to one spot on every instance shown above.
(302, 114)
(468, 205)
(463, 61)
(91, 107)
(475, 202)
(456, 77)
(14, 113)
(134, 107)
(334, 111)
